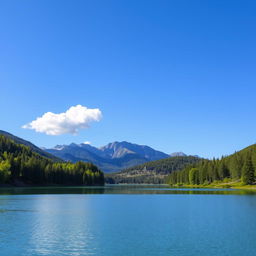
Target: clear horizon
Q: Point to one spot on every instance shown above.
(175, 76)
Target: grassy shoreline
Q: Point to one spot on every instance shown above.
(234, 185)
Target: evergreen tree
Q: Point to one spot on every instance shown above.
(248, 171)
(223, 170)
(194, 176)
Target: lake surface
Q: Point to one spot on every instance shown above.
(127, 221)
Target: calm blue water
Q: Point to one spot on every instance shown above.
(127, 221)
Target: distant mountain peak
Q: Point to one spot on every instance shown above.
(59, 147)
(86, 143)
(177, 154)
(73, 145)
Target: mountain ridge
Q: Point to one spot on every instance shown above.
(112, 157)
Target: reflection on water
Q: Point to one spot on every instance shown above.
(54, 231)
(10, 210)
(123, 189)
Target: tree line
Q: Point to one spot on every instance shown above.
(19, 162)
(240, 166)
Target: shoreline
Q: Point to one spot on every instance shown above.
(233, 185)
(45, 185)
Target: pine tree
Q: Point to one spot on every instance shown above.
(248, 171)
(194, 176)
(223, 170)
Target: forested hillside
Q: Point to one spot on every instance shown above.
(20, 164)
(154, 172)
(33, 147)
(240, 166)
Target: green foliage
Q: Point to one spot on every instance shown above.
(248, 171)
(239, 166)
(154, 172)
(194, 176)
(19, 162)
(4, 171)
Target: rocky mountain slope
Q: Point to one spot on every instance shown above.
(110, 158)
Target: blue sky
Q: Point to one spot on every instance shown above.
(174, 75)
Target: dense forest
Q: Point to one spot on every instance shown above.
(154, 172)
(240, 167)
(19, 164)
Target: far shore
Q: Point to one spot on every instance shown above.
(233, 185)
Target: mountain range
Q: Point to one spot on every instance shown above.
(110, 158)
(22, 161)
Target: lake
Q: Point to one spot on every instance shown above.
(127, 221)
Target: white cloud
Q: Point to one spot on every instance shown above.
(87, 143)
(75, 118)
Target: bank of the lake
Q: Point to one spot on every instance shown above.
(232, 185)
